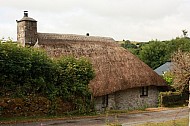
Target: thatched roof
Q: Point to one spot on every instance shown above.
(116, 68)
(49, 38)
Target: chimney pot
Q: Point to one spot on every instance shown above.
(25, 13)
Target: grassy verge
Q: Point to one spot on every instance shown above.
(177, 122)
(11, 120)
(73, 115)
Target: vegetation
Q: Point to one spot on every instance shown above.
(155, 53)
(30, 72)
(181, 70)
(24, 71)
(179, 79)
(72, 82)
(172, 99)
(177, 122)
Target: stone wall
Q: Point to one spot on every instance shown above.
(27, 32)
(32, 106)
(98, 103)
(130, 99)
(111, 103)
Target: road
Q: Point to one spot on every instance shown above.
(124, 119)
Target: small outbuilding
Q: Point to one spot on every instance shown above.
(163, 68)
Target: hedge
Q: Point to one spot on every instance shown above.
(24, 71)
(169, 99)
(30, 72)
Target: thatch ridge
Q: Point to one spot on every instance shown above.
(116, 68)
(52, 38)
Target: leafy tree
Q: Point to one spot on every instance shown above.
(29, 71)
(133, 48)
(128, 44)
(168, 77)
(74, 76)
(174, 45)
(181, 70)
(154, 53)
(22, 69)
(73, 80)
(184, 33)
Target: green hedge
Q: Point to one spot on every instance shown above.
(29, 71)
(24, 71)
(169, 99)
(72, 82)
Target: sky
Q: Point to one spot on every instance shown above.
(134, 20)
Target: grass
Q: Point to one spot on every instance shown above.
(10, 120)
(177, 122)
(72, 116)
(4, 120)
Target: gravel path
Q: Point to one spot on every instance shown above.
(124, 119)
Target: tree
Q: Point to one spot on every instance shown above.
(128, 44)
(154, 53)
(168, 77)
(184, 33)
(22, 69)
(181, 72)
(72, 82)
(30, 72)
(174, 45)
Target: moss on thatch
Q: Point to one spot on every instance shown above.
(116, 68)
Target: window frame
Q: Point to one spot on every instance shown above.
(144, 91)
(105, 101)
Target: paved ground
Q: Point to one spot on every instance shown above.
(124, 119)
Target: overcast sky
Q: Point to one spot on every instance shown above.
(135, 20)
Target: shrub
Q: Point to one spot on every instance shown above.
(24, 70)
(169, 99)
(30, 72)
(74, 77)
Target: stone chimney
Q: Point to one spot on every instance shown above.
(27, 30)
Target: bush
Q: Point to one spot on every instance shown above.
(73, 80)
(30, 72)
(169, 99)
(24, 70)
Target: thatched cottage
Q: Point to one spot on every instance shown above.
(122, 80)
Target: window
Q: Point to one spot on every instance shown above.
(144, 91)
(104, 101)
